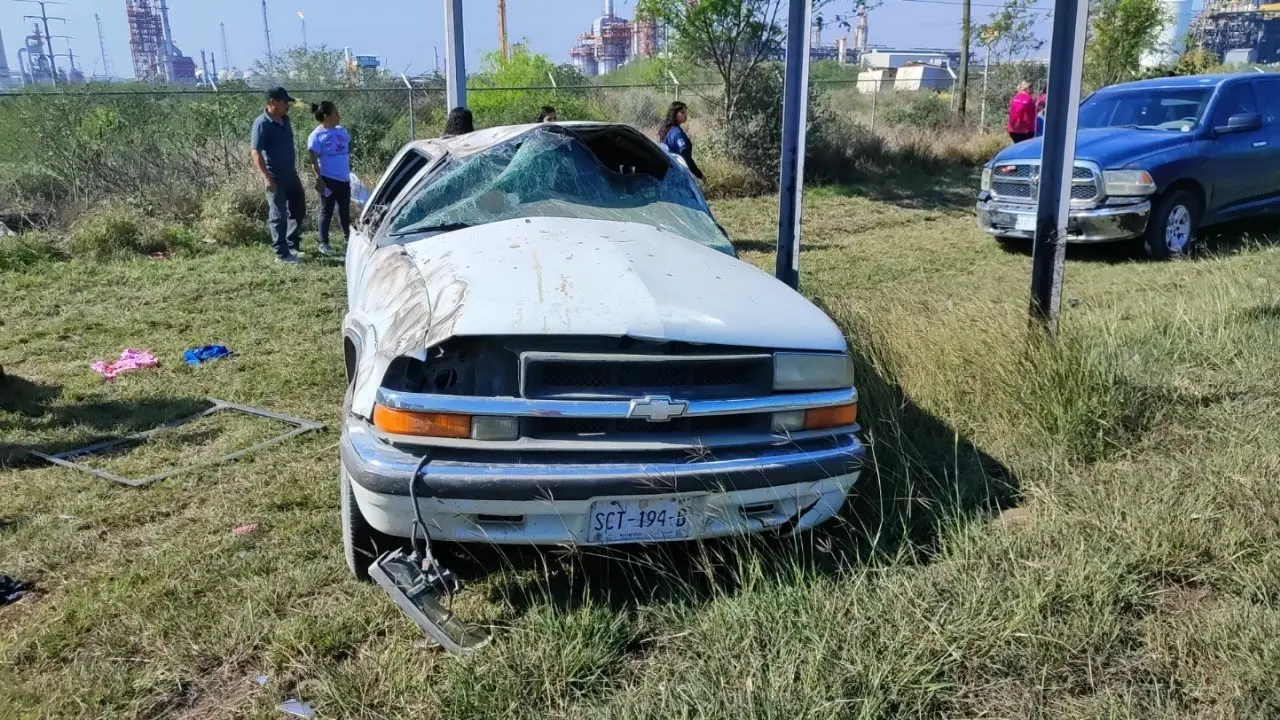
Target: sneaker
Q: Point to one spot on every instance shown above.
(288, 259)
(324, 249)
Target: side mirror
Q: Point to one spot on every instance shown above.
(1242, 123)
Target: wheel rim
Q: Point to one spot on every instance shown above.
(1177, 231)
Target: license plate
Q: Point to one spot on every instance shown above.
(620, 520)
(1024, 222)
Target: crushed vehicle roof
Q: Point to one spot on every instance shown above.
(480, 140)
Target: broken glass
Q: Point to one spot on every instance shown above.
(545, 173)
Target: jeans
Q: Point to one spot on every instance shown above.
(288, 206)
(340, 197)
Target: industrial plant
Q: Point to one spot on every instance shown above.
(614, 42)
(1238, 31)
(155, 57)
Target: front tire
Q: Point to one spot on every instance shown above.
(1171, 231)
(361, 543)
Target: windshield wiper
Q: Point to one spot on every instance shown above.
(443, 227)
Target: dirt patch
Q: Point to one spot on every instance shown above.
(1183, 599)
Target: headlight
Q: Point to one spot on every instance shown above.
(986, 178)
(811, 371)
(1128, 182)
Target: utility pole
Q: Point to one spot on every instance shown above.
(795, 101)
(502, 29)
(44, 18)
(107, 70)
(1057, 162)
(965, 29)
(454, 56)
(266, 31)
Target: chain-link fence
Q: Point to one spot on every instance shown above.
(151, 143)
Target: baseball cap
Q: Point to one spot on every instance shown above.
(279, 93)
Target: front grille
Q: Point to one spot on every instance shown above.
(1020, 183)
(600, 428)
(1011, 190)
(1083, 192)
(691, 377)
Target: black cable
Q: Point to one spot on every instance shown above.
(417, 512)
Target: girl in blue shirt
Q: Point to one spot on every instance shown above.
(674, 138)
(330, 148)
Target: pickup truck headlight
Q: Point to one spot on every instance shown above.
(986, 178)
(812, 371)
(1128, 182)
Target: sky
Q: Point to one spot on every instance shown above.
(407, 33)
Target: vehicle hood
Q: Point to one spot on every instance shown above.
(1108, 147)
(559, 276)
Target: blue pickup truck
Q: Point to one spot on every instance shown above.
(1156, 160)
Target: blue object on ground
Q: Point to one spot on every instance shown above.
(205, 354)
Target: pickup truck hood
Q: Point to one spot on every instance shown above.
(562, 276)
(1109, 147)
(558, 276)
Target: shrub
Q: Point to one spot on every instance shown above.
(235, 214)
(28, 189)
(21, 251)
(642, 109)
(925, 110)
(109, 231)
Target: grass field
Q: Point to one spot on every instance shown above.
(1078, 531)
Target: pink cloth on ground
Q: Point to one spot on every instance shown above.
(129, 360)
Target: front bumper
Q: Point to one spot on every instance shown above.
(1105, 223)
(533, 499)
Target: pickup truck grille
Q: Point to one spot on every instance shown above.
(1020, 182)
(545, 375)
(589, 428)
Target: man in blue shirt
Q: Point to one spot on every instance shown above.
(274, 157)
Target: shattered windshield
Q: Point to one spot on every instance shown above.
(553, 174)
(1146, 108)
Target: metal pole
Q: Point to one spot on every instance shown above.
(875, 93)
(986, 68)
(454, 56)
(795, 101)
(413, 132)
(1066, 65)
(266, 33)
(676, 81)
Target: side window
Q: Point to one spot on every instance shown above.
(1268, 92)
(394, 183)
(1235, 99)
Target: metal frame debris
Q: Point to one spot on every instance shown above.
(65, 459)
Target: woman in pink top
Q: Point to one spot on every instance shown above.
(1022, 114)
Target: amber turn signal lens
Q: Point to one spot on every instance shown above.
(403, 422)
(829, 417)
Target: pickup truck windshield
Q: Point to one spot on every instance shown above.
(1177, 109)
(553, 174)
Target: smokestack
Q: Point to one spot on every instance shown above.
(4, 65)
(608, 8)
(168, 42)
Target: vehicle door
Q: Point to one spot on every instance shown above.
(408, 165)
(1267, 93)
(1234, 155)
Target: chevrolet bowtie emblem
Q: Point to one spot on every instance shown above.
(657, 408)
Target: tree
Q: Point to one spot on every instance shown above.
(1010, 32)
(1120, 33)
(733, 37)
(317, 67)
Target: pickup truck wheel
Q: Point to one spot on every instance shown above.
(1172, 228)
(361, 544)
